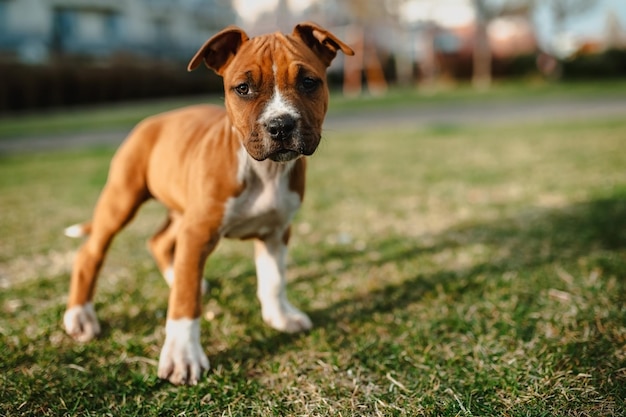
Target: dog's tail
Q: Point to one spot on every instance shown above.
(78, 230)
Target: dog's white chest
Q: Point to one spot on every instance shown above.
(266, 204)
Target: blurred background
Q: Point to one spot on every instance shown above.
(66, 53)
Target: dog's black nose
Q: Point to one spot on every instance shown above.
(281, 127)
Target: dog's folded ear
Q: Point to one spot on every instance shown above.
(219, 50)
(321, 41)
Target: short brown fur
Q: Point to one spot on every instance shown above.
(196, 161)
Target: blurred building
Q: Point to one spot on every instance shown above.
(396, 41)
(38, 31)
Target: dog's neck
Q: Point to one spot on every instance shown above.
(266, 171)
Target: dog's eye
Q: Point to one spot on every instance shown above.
(242, 89)
(308, 84)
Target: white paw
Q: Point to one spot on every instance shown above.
(81, 322)
(287, 318)
(182, 359)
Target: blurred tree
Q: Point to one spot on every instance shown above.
(614, 32)
(486, 11)
(564, 9)
(549, 60)
(481, 74)
(367, 14)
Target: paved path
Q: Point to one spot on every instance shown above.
(487, 113)
(482, 113)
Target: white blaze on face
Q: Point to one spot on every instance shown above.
(278, 105)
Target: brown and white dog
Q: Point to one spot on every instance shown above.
(237, 172)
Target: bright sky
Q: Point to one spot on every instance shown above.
(445, 12)
(591, 23)
(250, 10)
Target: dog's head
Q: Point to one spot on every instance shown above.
(275, 86)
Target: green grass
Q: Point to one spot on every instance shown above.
(449, 272)
(465, 93)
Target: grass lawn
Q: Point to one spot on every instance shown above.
(449, 271)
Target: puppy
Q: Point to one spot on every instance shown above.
(235, 172)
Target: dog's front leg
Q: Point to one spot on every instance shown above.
(182, 359)
(278, 312)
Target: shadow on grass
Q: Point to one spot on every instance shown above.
(534, 239)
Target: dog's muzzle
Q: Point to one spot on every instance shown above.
(286, 138)
(281, 128)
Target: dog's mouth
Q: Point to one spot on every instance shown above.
(284, 155)
(288, 149)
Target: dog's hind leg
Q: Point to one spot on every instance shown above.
(163, 244)
(116, 206)
(163, 247)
